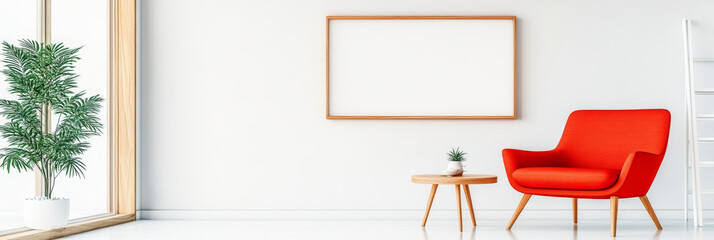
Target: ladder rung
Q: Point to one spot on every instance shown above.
(704, 191)
(706, 139)
(705, 91)
(705, 116)
(706, 164)
(704, 59)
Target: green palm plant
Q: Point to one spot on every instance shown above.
(42, 77)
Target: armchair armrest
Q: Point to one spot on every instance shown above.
(638, 173)
(514, 159)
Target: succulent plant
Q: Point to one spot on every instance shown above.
(456, 155)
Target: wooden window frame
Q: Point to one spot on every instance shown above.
(122, 204)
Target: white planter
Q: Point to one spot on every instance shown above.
(454, 169)
(42, 213)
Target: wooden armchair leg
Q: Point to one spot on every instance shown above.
(613, 216)
(520, 207)
(650, 210)
(575, 210)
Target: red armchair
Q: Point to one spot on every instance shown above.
(602, 154)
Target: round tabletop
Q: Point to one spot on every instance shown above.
(465, 179)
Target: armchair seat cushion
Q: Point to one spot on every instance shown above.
(565, 178)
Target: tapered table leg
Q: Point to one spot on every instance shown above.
(428, 205)
(458, 205)
(467, 193)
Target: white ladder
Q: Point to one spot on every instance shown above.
(692, 163)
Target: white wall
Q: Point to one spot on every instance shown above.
(233, 105)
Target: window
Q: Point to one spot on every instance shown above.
(19, 21)
(86, 23)
(106, 30)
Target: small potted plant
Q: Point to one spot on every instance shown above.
(455, 166)
(42, 78)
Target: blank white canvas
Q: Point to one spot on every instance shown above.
(420, 67)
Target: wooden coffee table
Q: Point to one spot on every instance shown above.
(465, 180)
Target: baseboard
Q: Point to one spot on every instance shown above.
(392, 214)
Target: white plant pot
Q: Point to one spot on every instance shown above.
(454, 169)
(46, 213)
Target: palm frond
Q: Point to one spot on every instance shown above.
(43, 78)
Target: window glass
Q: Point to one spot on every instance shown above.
(18, 19)
(88, 28)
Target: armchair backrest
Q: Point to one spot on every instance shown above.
(605, 138)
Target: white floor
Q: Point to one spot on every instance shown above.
(397, 229)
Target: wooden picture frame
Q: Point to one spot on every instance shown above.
(358, 88)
